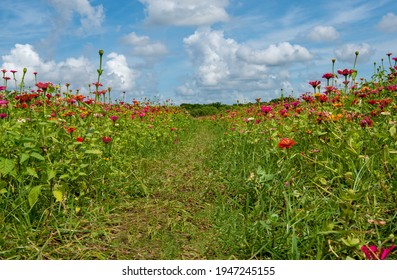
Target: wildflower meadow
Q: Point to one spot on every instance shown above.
(87, 176)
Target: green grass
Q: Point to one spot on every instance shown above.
(307, 178)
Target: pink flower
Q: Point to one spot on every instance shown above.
(3, 115)
(2, 88)
(372, 253)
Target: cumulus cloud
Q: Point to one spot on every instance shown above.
(143, 47)
(279, 54)
(229, 69)
(91, 17)
(388, 23)
(119, 74)
(185, 12)
(321, 33)
(78, 71)
(347, 52)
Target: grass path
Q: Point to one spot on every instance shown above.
(173, 222)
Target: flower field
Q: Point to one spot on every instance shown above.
(314, 177)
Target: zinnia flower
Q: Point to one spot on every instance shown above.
(372, 253)
(106, 139)
(315, 84)
(345, 72)
(70, 129)
(328, 76)
(266, 109)
(366, 121)
(3, 115)
(79, 139)
(43, 86)
(114, 118)
(286, 143)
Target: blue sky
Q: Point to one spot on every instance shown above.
(195, 51)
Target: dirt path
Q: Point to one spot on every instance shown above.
(174, 220)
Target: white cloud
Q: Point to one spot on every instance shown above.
(143, 46)
(185, 12)
(279, 54)
(91, 17)
(346, 53)
(79, 72)
(323, 33)
(230, 70)
(119, 74)
(388, 23)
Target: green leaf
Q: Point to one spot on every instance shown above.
(34, 195)
(37, 156)
(392, 131)
(51, 173)
(351, 241)
(58, 194)
(3, 191)
(32, 172)
(6, 166)
(24, 157)
(94, 152)
(64, 176)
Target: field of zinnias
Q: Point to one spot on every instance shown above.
(313, 177)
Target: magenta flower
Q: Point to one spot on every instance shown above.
(266, 109)
(2, 88)
(3, 115)
(114, 118)
(372, 253)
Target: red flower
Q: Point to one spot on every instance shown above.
(43, 86)
(371, 252)
(315, 84)
(286, 143)
(79, 139)
(70, 129)
(3, 115)
(346, 72)
(328, 76)
(106, 139)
